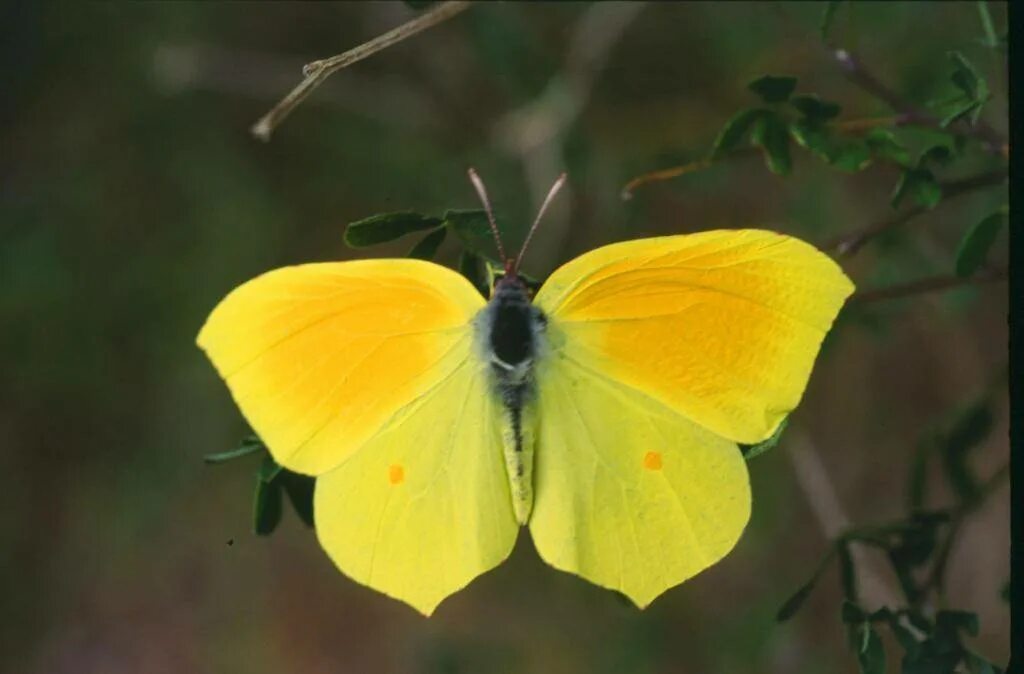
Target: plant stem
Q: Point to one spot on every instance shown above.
(991, 39)
(857, 73)
(928, 285)
(317, 71)
(848, 244)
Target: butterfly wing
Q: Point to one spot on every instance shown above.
(425, 506)
(629, 494)
(319, 356)
(663, 354)
(723, 326)
(366, 374)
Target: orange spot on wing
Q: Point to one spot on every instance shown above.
(652, 461)
(396, 474)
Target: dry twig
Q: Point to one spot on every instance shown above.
(317, 71)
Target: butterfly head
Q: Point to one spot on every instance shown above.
(511, 265)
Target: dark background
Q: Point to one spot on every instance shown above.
(132, 198)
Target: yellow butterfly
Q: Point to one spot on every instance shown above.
(604, 414)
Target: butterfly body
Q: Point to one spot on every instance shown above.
(604, 412)
(511, 334)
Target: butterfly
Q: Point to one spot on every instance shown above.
(604, 412)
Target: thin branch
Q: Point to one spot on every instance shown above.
(671, 172)
(852, 126)
(823, 498)
(936, 579)
(317, 71)
(847, 245)
(857, 73)
(928, 285)
(991, 39)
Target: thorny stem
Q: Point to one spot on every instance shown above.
(318, 71)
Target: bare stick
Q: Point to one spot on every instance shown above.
(928, 285)
(821, 494)
(317, 71)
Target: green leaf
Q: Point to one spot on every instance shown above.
(882, 143)
(851, 613)
(920, 185)
(917, 483)
(266, 507)
(871, 656)
(843, 153)
(970, 429)
(952, 621)
(827, 17)
(471, 227)
(772, 135)
(249, 445)
(773, 88)
(972, 92)
(966, 78)
(300, 492)
(814, 109)
(910, 643)
(793, 604)
(936, 154)
(974, 247)
(735, 131)
(386, 227)
(427, 247)
(847, 573)
(268, 470)
(750, 451)
(917, 543)
(473, 267)
(978, 665)
(958, 110)
(919, 621)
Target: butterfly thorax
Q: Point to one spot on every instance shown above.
(513, 328)
(511, 332)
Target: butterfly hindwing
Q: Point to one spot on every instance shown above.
(424, 507)
(630, 494)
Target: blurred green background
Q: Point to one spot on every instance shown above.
(133, 198)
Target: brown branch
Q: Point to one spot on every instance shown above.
(848, 244)
(857, 73)
(936, 580)
(317, 71)
(927, 285)
(852, 126)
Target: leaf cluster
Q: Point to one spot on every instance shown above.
(917, 549)
(273, 484)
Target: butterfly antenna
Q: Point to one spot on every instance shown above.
(482, 193)
(540, 214)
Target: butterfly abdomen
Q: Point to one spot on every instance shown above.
(510, 330)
